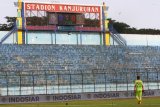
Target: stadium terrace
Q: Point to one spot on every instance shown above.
(62, 8)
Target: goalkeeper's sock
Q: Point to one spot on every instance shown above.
(140, 101)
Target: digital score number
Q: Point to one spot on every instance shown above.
(66, 19)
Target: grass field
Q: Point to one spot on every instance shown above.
(147, 102)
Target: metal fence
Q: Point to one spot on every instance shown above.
(52, 82)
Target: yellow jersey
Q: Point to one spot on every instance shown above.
(139, 85)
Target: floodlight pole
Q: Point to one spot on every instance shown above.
(105, 22)
(19, 22)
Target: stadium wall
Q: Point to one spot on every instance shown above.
(141, 39)
(132, 39)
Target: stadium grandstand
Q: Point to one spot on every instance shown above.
(59, 52)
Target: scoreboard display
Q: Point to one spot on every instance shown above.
(66, 19)
(63, 19)
(62, 16)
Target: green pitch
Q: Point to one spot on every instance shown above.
(147, 102)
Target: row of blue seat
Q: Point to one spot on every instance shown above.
(112, 61)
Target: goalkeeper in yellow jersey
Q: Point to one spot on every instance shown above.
(138, 89)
